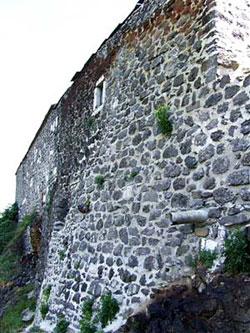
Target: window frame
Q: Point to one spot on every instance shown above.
(99, 95)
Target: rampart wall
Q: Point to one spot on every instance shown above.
(187, 55)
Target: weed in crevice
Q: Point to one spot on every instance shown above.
(130, 175)
(109, 309)
(44, 309)
(161, 115)
(207, 258)
(99, 180)
(204, 259)
(61, 326)
(61, 254)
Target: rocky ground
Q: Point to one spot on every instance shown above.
(222, 305)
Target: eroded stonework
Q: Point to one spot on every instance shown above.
(179, 53)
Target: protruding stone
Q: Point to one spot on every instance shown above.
(201, 232)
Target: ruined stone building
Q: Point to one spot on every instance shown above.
(110, 189)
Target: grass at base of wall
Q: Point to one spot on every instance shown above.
(12, 318)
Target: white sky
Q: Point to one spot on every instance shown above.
(42, 44)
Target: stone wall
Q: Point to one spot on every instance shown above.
(166, 52)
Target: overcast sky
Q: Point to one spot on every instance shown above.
(42, 44)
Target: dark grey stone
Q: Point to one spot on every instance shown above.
(123, 234)
(246, 82)
(191, 162)
(185, 147)
(240, 144)
(233, 220)
(246, 159)
(245, 194)
(199, 174)
(179, 184)
(133, 261)
(118, 221)
(223, 195)
(151, 196)
(213, 100)
(240, 177)
(118, 250)
(179, 80)
(137, 140)
(241, 98)
(217, 135)
(206, 153)
(95, 289)
(179, 200)
(141, 220)
(221, 165)
(200, 139)
(209, 183)
(107, 247)
(142, 251)
(193, 74)
(154, 214)
(172, 171)
(245, 127)
(150, 263)
(182, 250)
(109, 261)
(231, 91)
(222, 108)
(126, 276)
(220, 149)
(133, 289)
(170, 151)
(214, 213)
(235, 115)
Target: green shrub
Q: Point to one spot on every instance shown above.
(46, 293)
(162, 118)
(44, 309)
(109, 309)
(99, 180)
(204, 259)
(61, 326)
(237, 252)
(207, 258)
(21, 227)
(86, 324)
(8, 225)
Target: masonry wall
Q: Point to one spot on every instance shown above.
(167, 52)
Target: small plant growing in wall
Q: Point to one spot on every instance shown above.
(106, 314)
(109, 309)
(161, 115)
(86, 324)
(61, 326)
(44, 308)
(130, 175)
(207, 258)
(61, 255)
(99, 180)
(204, 259)
(85, 207)
(237, 252)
